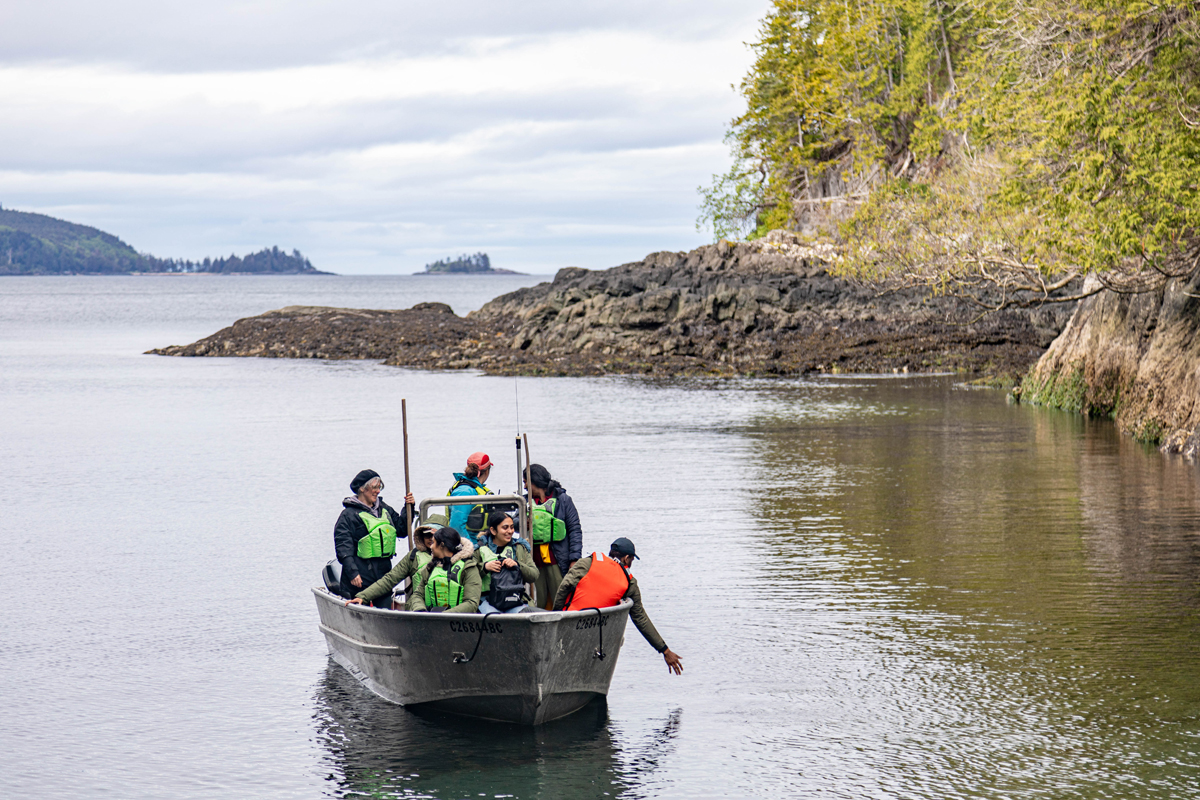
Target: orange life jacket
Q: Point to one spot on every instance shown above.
(604, 585)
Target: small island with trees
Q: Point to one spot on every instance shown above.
(478, 264)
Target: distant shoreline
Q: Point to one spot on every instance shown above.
(489, 272)
(155, 274)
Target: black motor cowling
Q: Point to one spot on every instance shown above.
(331, 574)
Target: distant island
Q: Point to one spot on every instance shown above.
(36, 244)
(478, 264)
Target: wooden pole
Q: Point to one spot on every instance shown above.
(407, 479)
(528, 512)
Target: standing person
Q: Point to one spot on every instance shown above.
(500, 549)
(364, 537)
(449, 582)
(471, 520)
(557, 536)
(407, 567)
(599, 582)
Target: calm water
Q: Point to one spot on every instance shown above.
(880, 588)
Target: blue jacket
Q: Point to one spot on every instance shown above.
(459, 514)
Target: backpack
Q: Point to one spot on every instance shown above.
(508, 589)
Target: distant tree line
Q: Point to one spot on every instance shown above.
(271, 260)
(36, 244)
(465, 264)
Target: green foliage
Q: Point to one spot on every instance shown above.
(976, 140)
(837, 91)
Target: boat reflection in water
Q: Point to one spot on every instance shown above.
(377, 749)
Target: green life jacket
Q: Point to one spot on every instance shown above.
(380, 540)
(486, 554)
(422, 557)
(477, 516)
(546, 526)
(443, 588)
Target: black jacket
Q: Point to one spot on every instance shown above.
(346, 533)
(571, 547)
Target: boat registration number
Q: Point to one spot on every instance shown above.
(476, 627)
(590, 622)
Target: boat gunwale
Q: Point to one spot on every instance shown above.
(533, 617)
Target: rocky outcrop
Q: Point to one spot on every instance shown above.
(1132, 357)
(769, 307)
(421, 334)
(764, 307)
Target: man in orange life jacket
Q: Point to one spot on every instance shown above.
(599, 582)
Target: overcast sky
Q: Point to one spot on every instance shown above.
(373, 136)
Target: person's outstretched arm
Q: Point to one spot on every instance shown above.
(642, 620)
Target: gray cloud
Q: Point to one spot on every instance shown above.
(235, 34)
(374, 137)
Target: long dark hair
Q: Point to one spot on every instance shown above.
(539, 476)
(496, 519)
(448, 538)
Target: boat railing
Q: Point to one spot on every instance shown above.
(524, 524)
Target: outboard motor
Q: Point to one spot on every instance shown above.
(331, 573)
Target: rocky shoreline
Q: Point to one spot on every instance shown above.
(769, 307)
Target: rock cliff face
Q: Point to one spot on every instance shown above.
(1135, 358)
(768, 307)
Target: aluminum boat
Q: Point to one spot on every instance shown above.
(528, 668)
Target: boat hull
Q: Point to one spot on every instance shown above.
(528, 668)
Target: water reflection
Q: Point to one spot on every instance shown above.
(376, 749)
(1009, 593)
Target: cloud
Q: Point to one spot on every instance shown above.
(377, 140)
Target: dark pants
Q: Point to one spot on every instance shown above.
(370, 570)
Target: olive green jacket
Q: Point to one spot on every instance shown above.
(405, 568)
(469, 578)
(638, 613)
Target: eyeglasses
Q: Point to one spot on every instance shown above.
(371, 487)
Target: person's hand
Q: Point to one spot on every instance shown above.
(354, 601)
(571, 565)
(508, 562)
(356, 581)
(674, 662)
(408, 500)
(492, 566)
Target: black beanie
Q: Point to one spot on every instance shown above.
(361, 479)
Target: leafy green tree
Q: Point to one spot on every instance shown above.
(989, 145)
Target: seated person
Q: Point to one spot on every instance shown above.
(450, 581)
(407, 567)
(500, 548)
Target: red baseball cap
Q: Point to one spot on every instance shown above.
(480, 460)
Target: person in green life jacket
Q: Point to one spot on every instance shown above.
(407, 567)
(557, 535)
(364, 537)
(450, 581)
(470, 520)
(500, 548)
